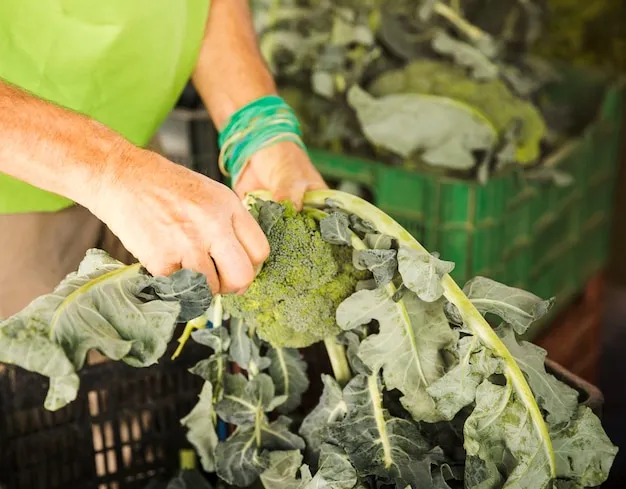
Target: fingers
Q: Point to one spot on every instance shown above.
(163, 269)
(251, 237)
(203, 263)
(233, 264)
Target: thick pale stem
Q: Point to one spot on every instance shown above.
(338, 360)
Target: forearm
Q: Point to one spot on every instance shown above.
(53, 148)
(231, 71)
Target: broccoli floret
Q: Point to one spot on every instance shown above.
(292, 301)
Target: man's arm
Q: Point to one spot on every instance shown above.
(231, 71)
(230, 74)
(166, 215)
(53, 148)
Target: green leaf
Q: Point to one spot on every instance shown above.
(500, 439)
(445, 132)
(240, 347)
(353, 343)
(246, 453)
(422, 273)
(382, 263)
(269, 213)
(288, 371)
(335, 470)
(515, 306)
(200, 424)
(335, 229)
(106, 306)
(187, 288)
(212, 370)
(377, 444)
(583, 450)
(330, 409)
(457, 388)
(244, 349)
(466, 55)
(375, 241)
(217, 339)
(282, 471)
(245, 401)
(408, 347)
(556, 398)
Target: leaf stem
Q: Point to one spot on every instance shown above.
(377, 407)
(338, 360)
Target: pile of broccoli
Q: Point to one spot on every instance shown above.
(292, 301)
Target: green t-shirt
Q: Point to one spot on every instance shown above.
(122, 62)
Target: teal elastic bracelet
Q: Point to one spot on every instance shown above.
(262, 123)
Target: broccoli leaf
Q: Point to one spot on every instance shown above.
(268, 214)
(408, 347)
(216, 338)
(330, 409)
(382, 263)
(422, 273)
(375, 241)
(445, 131)
(515, 306)
(353, 343)
(200, 423)
(335, 229)
(377, 444)
(457, 388)
(106, 306)
(466, 55)
(583, 450)
(500, 440)
(282, 471)
(288, 371)
(244, 349)
(246, 453)
(190, 289)
(559, 400)
(246, 400)
(335, 470)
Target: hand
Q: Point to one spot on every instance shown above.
(170, 217)
(284, 169)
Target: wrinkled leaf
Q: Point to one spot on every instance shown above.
(514, 306)
(466, 55)
(457, 388)
(269, 214)
(218, 339)
(353, 344)
(330, 409)
(106, 306)
(444, 131)
(282, 471)
(200, 424)
(288, 371)
(382, 263)
(555, 397)
(500, 440)
(241, 458)
(375, 241)
(422, 273)
(245, 401)
(377, 444)
(408, 347)
(335, 470)
(335, 229)
(583, 450)
(187, 288)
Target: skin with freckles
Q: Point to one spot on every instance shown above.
(167, 216)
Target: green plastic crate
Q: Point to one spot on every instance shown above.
(539, 237)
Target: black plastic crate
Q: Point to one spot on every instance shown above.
(122, 430)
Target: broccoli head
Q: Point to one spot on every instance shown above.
(293, 300)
